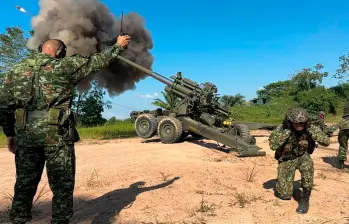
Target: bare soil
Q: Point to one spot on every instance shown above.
(128, 181)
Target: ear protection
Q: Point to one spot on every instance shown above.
(61, 50)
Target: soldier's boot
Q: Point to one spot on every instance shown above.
(303, 206)
(341, 164)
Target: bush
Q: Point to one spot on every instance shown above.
(318, 99)
(273, 112)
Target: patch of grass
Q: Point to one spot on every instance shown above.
(120, 129)
(94, 180)
(219, 183)
(165, 177)
(250, 174)
(42, 192)
(204, 207)
(243, 199)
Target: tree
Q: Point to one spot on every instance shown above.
(13, 48)
(112, 120)
(309, 78)
(89, 106)
(276, 89)
(343, 70)
(228, 101)
(341, 90)
(169, 103)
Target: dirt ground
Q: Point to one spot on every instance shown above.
(127, 181)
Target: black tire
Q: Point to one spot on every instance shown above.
(242, 131)
(170, 130)
(251, 140)
(146, 126)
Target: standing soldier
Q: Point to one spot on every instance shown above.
(343, 136)
(41, 91)
(293, 143)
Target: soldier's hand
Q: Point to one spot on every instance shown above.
(123, 40)
(303, 144)
(11, 144)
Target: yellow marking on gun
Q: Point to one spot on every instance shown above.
(227, 122)
(192, 128)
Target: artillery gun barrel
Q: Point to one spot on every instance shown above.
(155, 75)
(181, 90)
(244, 149)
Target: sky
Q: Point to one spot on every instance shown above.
(240, 46)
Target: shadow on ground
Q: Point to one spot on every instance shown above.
(332, 160)
(103, 209)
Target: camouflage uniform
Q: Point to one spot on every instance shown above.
(292, 150)
(41, 90)
(343, 137)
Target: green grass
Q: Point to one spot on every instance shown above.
(121, 129)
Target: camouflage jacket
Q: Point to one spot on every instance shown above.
(343, 123)
(319, 122)
(289, 144)
(57, 79)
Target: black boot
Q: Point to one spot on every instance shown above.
(341, 164)
(303, 206)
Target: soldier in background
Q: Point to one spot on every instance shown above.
(293, 143)
(343, 136)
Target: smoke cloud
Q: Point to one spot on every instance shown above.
(87, 27)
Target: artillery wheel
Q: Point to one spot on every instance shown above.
(251, 140)
(170, 130)
(242, 131)
(146, 125)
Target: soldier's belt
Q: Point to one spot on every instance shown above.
(55, 116)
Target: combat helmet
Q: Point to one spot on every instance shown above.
(346, 109)
(297, 115)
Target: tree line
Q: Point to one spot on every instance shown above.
(302, 89)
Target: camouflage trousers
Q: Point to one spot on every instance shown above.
(286, 173)
(343, 137)
(60, 167)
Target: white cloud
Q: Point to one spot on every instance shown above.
(148, 96)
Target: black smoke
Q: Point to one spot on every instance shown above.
(87, 27)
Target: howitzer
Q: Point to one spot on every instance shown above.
(198, 113)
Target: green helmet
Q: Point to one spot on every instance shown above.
(346, 109)
(297, 115)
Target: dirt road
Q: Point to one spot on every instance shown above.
(127, 181)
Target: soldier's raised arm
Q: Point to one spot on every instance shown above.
(278, 137)
(77, 67)
(318, 135)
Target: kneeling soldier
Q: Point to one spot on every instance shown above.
(293, 143)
